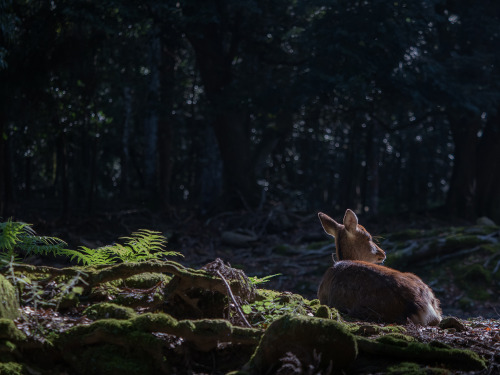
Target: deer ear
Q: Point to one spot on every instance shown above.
(329, 225)
(350, 221)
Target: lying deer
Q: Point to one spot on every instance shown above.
(363, 289)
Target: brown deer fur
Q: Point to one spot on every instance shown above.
(359, 287)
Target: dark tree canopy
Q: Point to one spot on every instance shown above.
(379, 106)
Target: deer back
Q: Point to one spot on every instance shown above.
(377, 293)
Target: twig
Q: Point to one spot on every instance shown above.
(230, 295)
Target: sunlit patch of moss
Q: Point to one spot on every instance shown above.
(146, 280)
(9, 308)
(271, 305)
(108, 310)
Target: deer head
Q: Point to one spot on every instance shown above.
(352, 241)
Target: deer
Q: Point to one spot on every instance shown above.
(358, 285)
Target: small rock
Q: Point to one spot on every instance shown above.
(483, 220)
(452, 323)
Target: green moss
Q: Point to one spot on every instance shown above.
(303, 336)
(145, 280)
(396, 339)
(112, 360)
(491, 248)
(133, 299)
(262, 294)
(323, 312)
(373, 329)
(108, 310)
(474, 274)
(7, 346)
(9, 305)
(9, 331)
(410, 368)
(11, 368)
(422, 353)
(407, 234)
(462, 241)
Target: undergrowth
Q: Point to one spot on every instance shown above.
(19, 240)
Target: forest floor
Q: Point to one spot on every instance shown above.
(292, 246)
(459, 260)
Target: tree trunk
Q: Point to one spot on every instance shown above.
(165, 161)
(152, 117)
(62, 173)
(461, 199)
(5, 170)
(371, 179)
(208, 175)
(125, 149)
(230, 123)
(488, 170)
(93, 170)
(234, 144)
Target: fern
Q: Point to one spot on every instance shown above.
(89, 257)
(140, 246)
(18, 236)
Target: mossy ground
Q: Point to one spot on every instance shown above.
(123, 344)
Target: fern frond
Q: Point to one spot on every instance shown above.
(87, 256)
(145, 240)
(21, 236)
(9, 234)
(41, 245)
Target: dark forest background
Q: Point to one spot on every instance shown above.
(381, 106)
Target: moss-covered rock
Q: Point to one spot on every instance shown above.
(395, 348)
(9, 331)
(304, 337)
(145, 280)
(9, 305)
(106, 310)
(450, 322)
